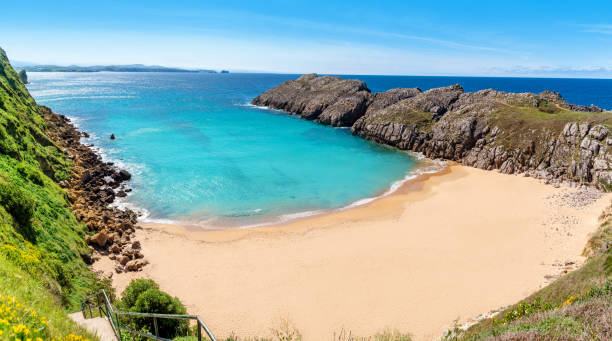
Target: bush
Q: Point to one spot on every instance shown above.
(548, 107)
(23, 76)
(157, 301)
(30, 173)
(17, 203)
(134, 290)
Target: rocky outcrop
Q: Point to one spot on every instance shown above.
(91, 189)
(540, 135)
(330, 100)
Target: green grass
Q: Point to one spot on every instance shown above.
(33, 294)
(38, 231)
(581, 317)
(509, 116)
(407, 116)
(41, 242)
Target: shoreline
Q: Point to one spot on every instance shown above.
(92, 190)
(423, 167)
(364, 269)
(325, 219)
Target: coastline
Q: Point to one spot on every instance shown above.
(423, 167)
(92, 190)
(385, 264)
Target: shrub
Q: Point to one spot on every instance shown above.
(134, 289)
(23, 76)
(30, 173)
(156, 301)
(548, 107)
(524, 309)
(17, 203)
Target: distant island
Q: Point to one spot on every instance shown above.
(112, 68)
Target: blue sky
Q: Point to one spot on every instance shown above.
(506, 38)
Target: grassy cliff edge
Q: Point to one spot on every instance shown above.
(41, 242)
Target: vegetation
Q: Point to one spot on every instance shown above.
(387, 335)
(23, 76)
(41, 242)
(29, 311)
(406, 115)
(130, 295)
(144, 296)
(286, 332)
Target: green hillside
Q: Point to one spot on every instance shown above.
(41, 242)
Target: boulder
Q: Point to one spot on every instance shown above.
(99, 238)
(135, 265)
(124, 175)
(123, 260)
(115, 248)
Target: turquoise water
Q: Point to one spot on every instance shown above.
(200, 154)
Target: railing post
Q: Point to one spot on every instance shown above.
(99, 304)
(131, 326)
(199, 330)
(118, 325)
(155, 325)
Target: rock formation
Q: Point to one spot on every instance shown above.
(91, 190)
(329, 100)
(540, 135)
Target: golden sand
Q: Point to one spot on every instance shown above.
(446, 246)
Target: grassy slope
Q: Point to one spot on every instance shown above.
(40, 239)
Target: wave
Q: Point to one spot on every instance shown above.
(263, 107)
(435, 167)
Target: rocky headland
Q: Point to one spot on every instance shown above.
(92, 188)
(539, 135)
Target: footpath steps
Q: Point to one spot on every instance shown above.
(97, 325)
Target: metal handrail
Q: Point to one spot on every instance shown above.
(106, 308)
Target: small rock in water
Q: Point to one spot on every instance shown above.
(112, 137)
(124, 175)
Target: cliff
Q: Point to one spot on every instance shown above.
(54, 201)
(540, 135)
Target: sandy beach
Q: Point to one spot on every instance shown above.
(447, 246)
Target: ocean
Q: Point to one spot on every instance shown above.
(201, 155)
